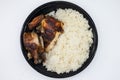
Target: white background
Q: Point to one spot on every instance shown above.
(106, 63)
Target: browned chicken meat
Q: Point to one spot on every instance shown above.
(51, 30)
(36, 21)
(33, 45)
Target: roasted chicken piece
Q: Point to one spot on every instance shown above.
(36, 21)
(32, 44)
(51, 30)
(46, 31)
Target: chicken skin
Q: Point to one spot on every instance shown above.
(51, 30)
(36, 21)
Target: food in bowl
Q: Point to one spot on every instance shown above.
(61, 40)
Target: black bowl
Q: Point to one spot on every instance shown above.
(53, 6)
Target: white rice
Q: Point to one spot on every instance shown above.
(72, 47)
